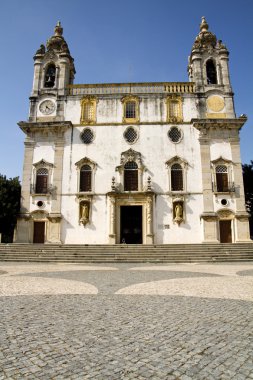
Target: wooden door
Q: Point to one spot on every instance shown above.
(225, 231)
(39, 232)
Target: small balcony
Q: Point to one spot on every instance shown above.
(42, 190)
(223, 188)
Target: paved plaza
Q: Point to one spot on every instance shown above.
(126, 321)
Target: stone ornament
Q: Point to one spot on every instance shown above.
(215, 103)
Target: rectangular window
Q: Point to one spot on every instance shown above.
(177, 180)
(131, 180)
(222, 182)
(174, 109)
(85, 181)
(88, 112)
(41, 184)
(130, 110)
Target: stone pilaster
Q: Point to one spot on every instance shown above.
(206, 175)
(208, 216)
(241, 215)
(54, 230)
(57, 181)
(225, 70)
(26, 179)
(23, 230)
(36, 77)
(238, 178)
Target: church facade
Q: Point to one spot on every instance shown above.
(134, 163)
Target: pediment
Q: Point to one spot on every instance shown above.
(84, 161)
(43, 163)
(221, 160)
(176, 159)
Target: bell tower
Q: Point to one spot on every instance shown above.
(53, 70)
(208, 68)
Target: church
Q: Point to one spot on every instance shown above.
(132, 163)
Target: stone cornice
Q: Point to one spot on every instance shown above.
(207, 124)
(54, 127)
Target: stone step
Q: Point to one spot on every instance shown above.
(126, 253)
(131, 260)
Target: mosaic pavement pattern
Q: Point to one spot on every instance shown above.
(123, 321)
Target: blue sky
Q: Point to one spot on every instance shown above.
(118, 41)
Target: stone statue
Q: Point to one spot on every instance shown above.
(84, 213)
(41, 50)
(178, 213)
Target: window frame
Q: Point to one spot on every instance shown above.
(170, 117)
(127, 156)
(132, 99)
(93, 166)
(184, 165)
(230, 176)
(88, 101)
(42, 164)
(176, 181)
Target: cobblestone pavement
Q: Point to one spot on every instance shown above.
(123, 321)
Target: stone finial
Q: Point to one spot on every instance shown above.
(149, 184)
(58, 30)
(204, 25)
(113, 187)
(205, 38)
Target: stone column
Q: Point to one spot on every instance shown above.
(209, 217)
(242, 222)
(112, 235)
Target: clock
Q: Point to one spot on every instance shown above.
(47, 107)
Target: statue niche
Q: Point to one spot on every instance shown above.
(178, 212)
(84, 212)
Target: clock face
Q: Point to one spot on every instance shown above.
(47, 107)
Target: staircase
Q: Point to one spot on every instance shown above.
(122, 253)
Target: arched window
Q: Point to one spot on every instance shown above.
(50, 76)
(177, 178)
(85, 178)
(131, 176)
(41, 181)
(221, 178)
(211, 72)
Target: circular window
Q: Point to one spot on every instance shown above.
(40, 203)
(130, 135)
(224, 202)
(175, 134)
(87, 136)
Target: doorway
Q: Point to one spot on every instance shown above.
(131, 224)
(225, 231)
(39, 232)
